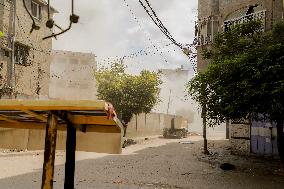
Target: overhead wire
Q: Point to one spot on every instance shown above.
(152, 14)
(147, 51)
(147, 35)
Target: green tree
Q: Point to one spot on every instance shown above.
(245, 77)
(129, 94)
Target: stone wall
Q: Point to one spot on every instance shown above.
(32, 79)
(240, 138)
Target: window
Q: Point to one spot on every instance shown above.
(36, 10)
(22, 54)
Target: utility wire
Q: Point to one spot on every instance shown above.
(152, 14)
(146, 51)
(158, 22)
(144, 31)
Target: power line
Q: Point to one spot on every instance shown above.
(144, 31)
(152, 14)
(144, 52)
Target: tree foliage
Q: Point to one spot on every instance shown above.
(245, 77)
(129, 94)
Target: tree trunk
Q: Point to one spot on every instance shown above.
(280, 141)
(205, 147)
(124, 130)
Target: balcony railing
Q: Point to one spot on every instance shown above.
(259, 15)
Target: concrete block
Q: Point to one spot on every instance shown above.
(240, 146)
(240, 130)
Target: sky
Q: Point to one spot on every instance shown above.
(113, 29)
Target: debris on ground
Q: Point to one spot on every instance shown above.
(175, 133)
(128, 142)
(186, 142)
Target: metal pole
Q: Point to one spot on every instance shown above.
(70, 157)
(12, 71)
(168, 108)
(49, 152)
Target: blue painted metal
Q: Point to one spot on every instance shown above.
(263, 138)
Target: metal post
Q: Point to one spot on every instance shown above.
(70, 157)
(11, 65)
(13, 48)
(49, 152)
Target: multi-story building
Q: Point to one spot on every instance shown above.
(72, 76)
(29, 74)
(217, 16)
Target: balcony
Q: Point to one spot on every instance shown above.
(259, 15)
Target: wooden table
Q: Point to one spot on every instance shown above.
(53, 115)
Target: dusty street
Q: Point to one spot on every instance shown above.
(157, 163)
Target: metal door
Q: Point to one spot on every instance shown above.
(264, 138)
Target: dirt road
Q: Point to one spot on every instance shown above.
(153, 164)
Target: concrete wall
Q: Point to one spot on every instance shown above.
(31, 80)
(72, 76)
(23, 139)
(146, 125)
(153, 124)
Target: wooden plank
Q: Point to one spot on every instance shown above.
(53, 105)
(40, 117)
(49, 152)
(70, 157)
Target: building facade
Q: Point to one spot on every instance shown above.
(72, 76)
(29, 75)
(217, 16)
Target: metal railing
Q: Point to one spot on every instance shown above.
(259, 15)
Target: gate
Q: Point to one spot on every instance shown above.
(264, 138)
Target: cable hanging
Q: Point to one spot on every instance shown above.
(34, 25)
